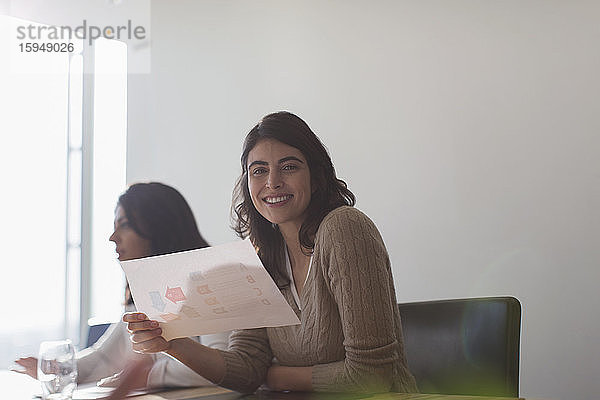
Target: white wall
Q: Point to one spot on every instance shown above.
(469, 131)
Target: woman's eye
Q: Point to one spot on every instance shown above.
(289, 167)
(258, 171)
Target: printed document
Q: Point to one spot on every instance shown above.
(209, 290)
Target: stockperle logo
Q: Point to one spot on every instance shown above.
(85, 31)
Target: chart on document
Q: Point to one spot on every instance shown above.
(208, 290)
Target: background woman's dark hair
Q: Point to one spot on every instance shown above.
(329, 192)
(159, 213)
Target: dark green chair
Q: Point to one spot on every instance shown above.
(464, 346)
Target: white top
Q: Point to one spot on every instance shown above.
(113, 350)
(288, 267)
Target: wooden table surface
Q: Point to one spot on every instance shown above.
(216, 393)
(17, 386)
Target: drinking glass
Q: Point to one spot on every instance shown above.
(57, 370)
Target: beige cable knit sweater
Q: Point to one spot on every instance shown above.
(350, 325)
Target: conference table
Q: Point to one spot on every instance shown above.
(17, 386)
(223, 394)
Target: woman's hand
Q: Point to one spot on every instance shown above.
(110, 381)
(30, 365)
(145, 334)
(146, 338)
(289, 378)
(134, 376)
(274, 379)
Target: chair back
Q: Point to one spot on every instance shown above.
(94, 333)
(464, 346)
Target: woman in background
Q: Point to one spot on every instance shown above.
(330, 264)
(150, 219)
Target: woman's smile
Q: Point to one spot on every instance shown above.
(278, 200)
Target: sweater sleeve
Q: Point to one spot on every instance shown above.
(247, 360)
(169, 372)
(357, 270)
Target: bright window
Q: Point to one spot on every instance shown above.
(33, 160)
(110, 145)
(43, 145)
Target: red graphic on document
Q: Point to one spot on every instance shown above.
(175, 294)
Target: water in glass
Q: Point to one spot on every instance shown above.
(57, 370)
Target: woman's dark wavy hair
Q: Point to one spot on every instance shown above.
(328, 192)
(159, 213)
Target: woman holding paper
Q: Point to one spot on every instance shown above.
(331, 265)
(150, 219)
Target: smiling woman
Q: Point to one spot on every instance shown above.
(290, 137)
(331, 265)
